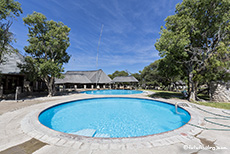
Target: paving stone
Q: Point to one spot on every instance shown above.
(169, 141)
(175, 138)
(69, 143)
(131, 151)
(210, 152)
(100, 152)
(157, 143)
(32, 133)
(115, 146)
(123, 147)
(193, 142)
(3, 143)
(129, 146)
(13, 141)
(52, 140)
(144, 151)
(104, 146)
(86, 151)
(94, 145)
(77, 145)
(38, 136)
(61, 142)
(85, 146)
(48, 149)
(119, 152)
(164, 142)
(183, 139)
(44, 138)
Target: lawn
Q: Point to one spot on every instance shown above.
(220, 105)
(179, 95)
(166, 94)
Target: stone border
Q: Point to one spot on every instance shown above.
(32, 127)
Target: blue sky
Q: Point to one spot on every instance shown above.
(131, 27)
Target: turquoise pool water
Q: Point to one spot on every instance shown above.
(114, 117)
(112, 92)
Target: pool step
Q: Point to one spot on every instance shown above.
(85, 132)
(101, 135)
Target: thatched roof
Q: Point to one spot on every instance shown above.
(86, 77)
(11, 60)
(125, 79)
(73, 79)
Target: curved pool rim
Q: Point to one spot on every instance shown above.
(138, 92)
(111, 138)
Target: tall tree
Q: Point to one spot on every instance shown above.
(48, 42)
(118, 73)
(9, 9)
(193, 36)
(151, 76)
(137, 75)
(168, 72)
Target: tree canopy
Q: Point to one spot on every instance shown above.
(137, 75)
(8, 9)
(48, 42)
(196, 37)
(118, 73)
(154, 75)
(149, 74)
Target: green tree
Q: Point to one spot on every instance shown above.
(48, 42)
(151, 76)
(168, 72)
(118, 73)
(9, 9)
(193, 36)
(137, 75)
(29, 68)
(217, 68)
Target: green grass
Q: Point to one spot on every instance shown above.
(166, 94)
(220, 105)
(171, 94)
(204, 97)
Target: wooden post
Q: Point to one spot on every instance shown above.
(18, 91)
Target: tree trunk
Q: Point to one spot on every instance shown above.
(192, 88)
(209, 90)
(50, 93)
(49, 83)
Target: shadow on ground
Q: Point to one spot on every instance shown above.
(167, 95)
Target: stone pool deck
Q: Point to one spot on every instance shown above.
(21, 133)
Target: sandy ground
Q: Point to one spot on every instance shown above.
(11, 105)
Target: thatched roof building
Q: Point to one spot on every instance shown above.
(121, 79)
(11, 60)
(84, 77)
(10, 73)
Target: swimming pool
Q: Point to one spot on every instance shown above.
(112, 92)
(114, 117)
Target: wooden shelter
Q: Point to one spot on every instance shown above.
(10, 73)
(84, 79)
(125, 82)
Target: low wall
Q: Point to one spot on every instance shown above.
(220, 91)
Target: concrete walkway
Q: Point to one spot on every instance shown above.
(21, 133)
